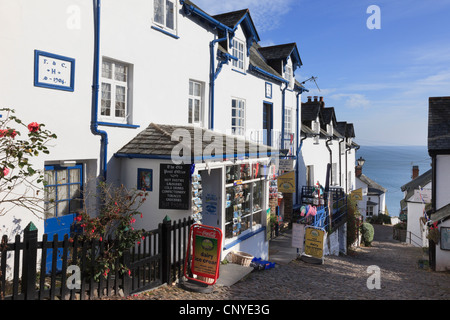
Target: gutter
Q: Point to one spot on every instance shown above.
(331, 158)
(95, 93)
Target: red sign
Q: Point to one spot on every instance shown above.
(205, 244)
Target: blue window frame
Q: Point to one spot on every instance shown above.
(63, 190)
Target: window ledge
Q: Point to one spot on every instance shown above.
(239, 71)
(121, 125)
(165, 32)
(243, 237)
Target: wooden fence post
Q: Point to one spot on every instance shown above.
(166, 252)
(29, 262)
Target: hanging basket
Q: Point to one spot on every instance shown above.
(241, 258)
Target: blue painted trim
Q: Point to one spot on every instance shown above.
(95, 95)
(165, 32)
(121, 125)
(168, 157)
(139, 184)
(37, 54)
(188, 9)
(238, 71)
(272, 76)
(243, 238)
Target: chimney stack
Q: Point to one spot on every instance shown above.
(358, 171)
(321, 99)
(415, 172)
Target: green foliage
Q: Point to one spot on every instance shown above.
(379, 219)
(367, 232)
(353, 221)
(113, 227)
(16, 165)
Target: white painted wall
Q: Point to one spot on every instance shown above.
(442, 185)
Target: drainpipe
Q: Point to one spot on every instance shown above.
(283, 110)
(95, 93)
(331, 158)
(212, 77)
(340, 162)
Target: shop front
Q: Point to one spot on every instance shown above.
(229, 190)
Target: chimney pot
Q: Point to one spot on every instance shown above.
(321, 99)
(415, 172)
(315, 98)
(309, 98)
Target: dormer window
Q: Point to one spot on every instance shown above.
(164, 14)
(238, 52)
(288, 75)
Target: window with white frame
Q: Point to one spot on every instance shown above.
(114, 86)
(195, 103)
(238, 52)
(369, 212)
(164, 14)
(238, 116)
(288, 75)
(288, 124)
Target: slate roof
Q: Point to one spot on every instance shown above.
(277, 52)
(441, 214)
(372, 186)
(414, 184)
(439, 125)
(329, 116)
(156, 141)
(257, 60)
(231, 19)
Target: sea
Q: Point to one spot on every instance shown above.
(391, 167)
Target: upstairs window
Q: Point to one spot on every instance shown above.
(164, 14)
(114, 97)
(195, 102)
(238, 117)
(238, 52)
(288, 75)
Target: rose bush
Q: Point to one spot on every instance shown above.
(16, 168)
(113, 227)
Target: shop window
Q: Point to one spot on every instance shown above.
(195, 102)
(245, 196)
(115, 91)
(63, 190)
(238, 52)
(238, 116)
(164, 14)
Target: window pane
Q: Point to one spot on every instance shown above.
(196, 110)
(169, 15)
(74, 175)
(120, 73)
(63, 193)
(190, 111)
(63, 208)
(120, 102)
(61, 176)
(191, 88)
(107, 69)
(49, 177)
(197, 89)
(158, 14)
(106, 100)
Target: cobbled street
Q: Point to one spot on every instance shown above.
(340, 277)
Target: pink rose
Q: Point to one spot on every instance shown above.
(33, 127)
(5, 171)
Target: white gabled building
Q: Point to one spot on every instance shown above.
(125, 68)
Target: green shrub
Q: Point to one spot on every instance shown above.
(367, 233)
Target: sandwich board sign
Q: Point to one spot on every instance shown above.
(205, 244)
(314, 244)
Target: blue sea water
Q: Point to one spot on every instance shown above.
(391, 167)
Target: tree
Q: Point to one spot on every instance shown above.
(20, 183)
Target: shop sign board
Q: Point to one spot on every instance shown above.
(174, 186)
(314, 239)
(298, 235)
(286, 164)
(286, 182)
(205, 243)
(356, 195)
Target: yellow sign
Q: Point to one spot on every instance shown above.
(314, 242)
(286, 182)
(356, 195)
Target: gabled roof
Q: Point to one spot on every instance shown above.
(439, 125)
(156, 142)
(282, 52)
(241, 17)
(341, 127)
(441, 214)
(373, 187)
(329, 116)
(416, 183)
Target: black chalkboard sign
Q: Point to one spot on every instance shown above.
(174, 186)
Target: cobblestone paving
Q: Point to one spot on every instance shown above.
(340, 277)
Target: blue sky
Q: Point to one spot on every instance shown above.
(378, 79)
